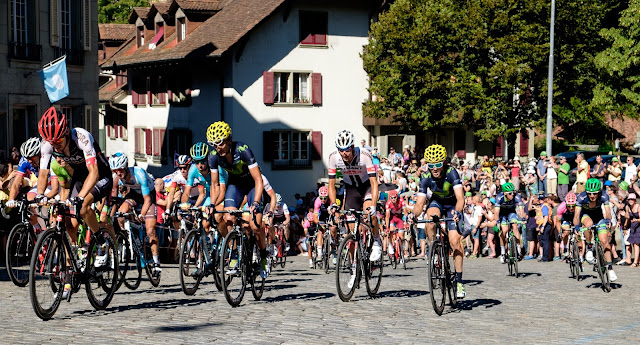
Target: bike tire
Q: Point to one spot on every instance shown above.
(575, 259)
(45, 274)
(101, 283)
(373, 276)
(437, 277)
(452, 281)
(215, 260)
(513, 259)
(345, 268)
(134, 266)
(405, 244)
(257, 282)
(326, 252)
(604, 274)
(20, 243)
(191, 245)
(233, 274)
(283, 258)
(124, 256)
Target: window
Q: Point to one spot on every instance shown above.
(140, 36)
(289, 148)
(182, 28)
(292, 87)
(143, 142)
(159, 155)
(313, 28)
(65, 24)
(158, 91)
(19, 13)
(22, 31)
(24, 124)
(115, 123)
(179, 141)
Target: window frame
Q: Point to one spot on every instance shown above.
(291, 162)
(66, 36)
(317, 38)
(290, 96)
(19, 22)
(181, 27)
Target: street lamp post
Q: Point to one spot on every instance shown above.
(550, 86)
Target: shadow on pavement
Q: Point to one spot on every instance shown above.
(402, 293)
(395, 275)
(310, 296)
(271, 287)
(598, 285)
(183, 328)
(477, 303)
(527, 274)
(293, 280)
(472, 282)
(161, 305)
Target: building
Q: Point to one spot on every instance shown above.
(33, 33)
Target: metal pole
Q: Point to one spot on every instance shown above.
(550, 86)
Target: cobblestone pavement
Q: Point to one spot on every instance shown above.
(300, 305)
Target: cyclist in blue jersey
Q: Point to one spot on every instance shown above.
(245, 179)
(28, 167)
(509, 209)
(447, 201)
(592, 207)
(136, 186)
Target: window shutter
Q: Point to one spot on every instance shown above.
(137, 139)
(54, 23)
(148, 140)
(267, 146)
(316, 144)
(156, 142)
(123, 132)
(86, 20)
(87, 118)
(320, 39)
(499, 144)
(316, 88)
(110, 131)
(267, 84)
(149, 99)
(135, 98)
(524, 144)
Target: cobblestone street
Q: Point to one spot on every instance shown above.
(300, 305)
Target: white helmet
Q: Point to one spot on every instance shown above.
(118, 160)
(30, 148)
(184, 160)
(344, 140)
(278, 198)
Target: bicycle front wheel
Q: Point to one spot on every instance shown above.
(154, 277)
(437, 276)
(575, 260)
(326, 252)
(232, 268)
(348, 268)
(257, 282)
(513, 257)
(602, 268)
(18, 254)
(101, 273)
(373, 275)
(191, 262)
(46, 274)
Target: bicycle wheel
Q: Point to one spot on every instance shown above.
(452, 281)
(191, 271)
(513, 256)
(154, 277)
(575, 259)
(404, 244)
(232, 267)
(101, 281)
(437, 281)
(46, 269)
(373, 275)
(602, 268)
(215, 260)
(283, 257)
(134, 266)
(18, 254)
(123, 257)
(326, 252)
(348, 268)
(257, 282)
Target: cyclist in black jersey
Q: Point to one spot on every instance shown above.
(447, 201)
(508, 211)
(245, 179)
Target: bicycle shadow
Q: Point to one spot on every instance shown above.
(477, 303)
(598, 285)
(272, 287)
(527, 274)
(396, 275)
(402, 293)
(309, 296)
(292, 280)
(472, 282)
(185, 328)
(159, 305)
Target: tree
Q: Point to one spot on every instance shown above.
(118, 11)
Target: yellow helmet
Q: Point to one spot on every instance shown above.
(435, 154)
(217, 132)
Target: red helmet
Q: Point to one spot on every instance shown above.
(53, 125)
(570, 199)
(323, 191)
(393, 192)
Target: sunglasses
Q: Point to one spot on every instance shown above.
(218, 142)
(592, 193)
(202, 161)
(508, 193)
(57, 141)
(184, 168)
(393, 197)
(323, 198)
(435, 165)
(344, 150)
(571, 206)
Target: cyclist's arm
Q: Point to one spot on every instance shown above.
(201, 195)
(387, 218)
(55, 187)
(186, 193)
(576, 216)
(273, 202)
(259, 185)
(214, 191)
(607, 212)
(332, 190)
(170, 196)
(90, 182)
(221, 193)
(287, 219)
(496, 213)
(15, 186)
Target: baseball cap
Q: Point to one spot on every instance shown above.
(624, 185)
(543, 153)
(468, 194)
(614, 159)
(632, 196)
(493, 200)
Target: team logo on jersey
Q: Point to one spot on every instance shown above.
(446, 190)
(243, 148)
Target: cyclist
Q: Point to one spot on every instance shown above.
(137, 188)
(592, 207)
(321, 214)
(395, 209)
(566, 212)
(245, 179)
(176, 182)
(200, 175)
(447, 200)
(281, 217)
(508, 209)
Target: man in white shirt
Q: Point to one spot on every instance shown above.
(630, 171)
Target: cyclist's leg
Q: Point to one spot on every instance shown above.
(434, 209)
(587, 235)
(455, 241)
(150, 222)
(604, 235)
(504, 228)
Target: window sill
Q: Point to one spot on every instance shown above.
(315, 46)
(158, 105)
(293, 104)
(290, 167)
(140, 156)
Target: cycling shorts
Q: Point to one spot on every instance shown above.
(234, 196)
(448, 211)
(397, 222)
(356, 196)
(101, 190)
(602, 224)
(510, 219)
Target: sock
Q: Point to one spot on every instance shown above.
(263, 253)
(518, 246)
(319, 251)
(459, 277)
(156, 259)
(502, 250)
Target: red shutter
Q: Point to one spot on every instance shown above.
(267, 146)
(170, 96)
(499, 144)
(156, 142)
(316, 88)
(120, 133)
(524, 144)
(135, 99)
(316, 143)
(320, 39)
(461, 153)
(162, 96)
(137, 134)
(148, 138)
(267, 85)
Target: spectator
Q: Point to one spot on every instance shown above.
(501, 174)
(299, 203)
(543, 227)
(599, 169)
(615, 171)
(582, 173)
(542, 172)
(552, 176)
(630, 172)
(515, 172)
(402, 183)
(423, 165)
(563, 177)
(375, 156)
(633, 210)
(386, 169)
(394, 157)
(406, 155)
(363, 144)
(473, 218)
(532, 234)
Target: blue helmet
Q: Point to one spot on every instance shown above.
(199, 151)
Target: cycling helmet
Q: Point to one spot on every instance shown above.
(52, 125)
(118, 160)
(218, 132)
(570, 198)
(199, 151)
(184, 160)
(323, 191)
(278, 198)
(435, 154)
(393, 193)
(344, 140)
(30, 148)
(508, 187)
(593, 185)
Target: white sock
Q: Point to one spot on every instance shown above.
(156, 259)
(518, 249)
(502, 250)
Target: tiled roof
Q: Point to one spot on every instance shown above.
(200, 5)
(163, 6)
(116, 32)
(109, 90)
(141, 12)
(214, 37)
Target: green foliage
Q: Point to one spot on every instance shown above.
(118, 11)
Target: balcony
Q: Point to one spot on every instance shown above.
(25, 51)
(75, 57)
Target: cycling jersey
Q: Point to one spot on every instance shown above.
(83, 152)
(61, 173)
(563, 213)
(583, 202)
(355, 173)
(25, 168)
(396, 209)
(320, 210)
(281, 210)
(507, 207)
(141, 181)
(238, 169)
(442, 188)
(195, 177)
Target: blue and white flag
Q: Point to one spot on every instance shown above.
(55, 80)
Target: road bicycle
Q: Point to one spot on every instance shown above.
(398, 246)
(512, 255)
(600, 263)
(328, 246)
(573, 258)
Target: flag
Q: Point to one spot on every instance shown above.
(55, 80)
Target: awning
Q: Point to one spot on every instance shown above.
(157, 38)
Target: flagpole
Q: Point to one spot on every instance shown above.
(55, 61)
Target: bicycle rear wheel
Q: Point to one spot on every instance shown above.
(123, 256)
(347, 270)
(437, 277)
(215, 261)
(154, 277)
(373, 275)
(257, 282)
(191, 266)
(101, 282)
(134, 266)
(233, 268)
(403, 244)
(20, 245)
(326, 251)
(46, 281)
(283, 252)
(513, 256)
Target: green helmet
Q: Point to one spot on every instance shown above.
(508, 187)
(593, 185)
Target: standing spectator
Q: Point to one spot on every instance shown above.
(375, 156)
(599, 169)
(363, 144)
(615, 171)
(532, 234)
(542, 172)
(563, 177)
(402, 183)
(386, 169)
(543, 225)
(501, 174)
(394, 157)
(414, 155)
(552, 176)
(472, 218)
(630, 172)
(633, 210)
(582, 173)
(515, 172)
(406, 155)
(299, 203)
(531, 182)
